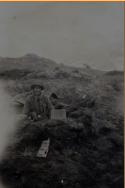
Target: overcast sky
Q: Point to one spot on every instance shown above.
(73, 33)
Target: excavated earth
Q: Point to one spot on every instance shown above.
(86, 149)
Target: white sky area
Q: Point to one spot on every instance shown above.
(73, 33)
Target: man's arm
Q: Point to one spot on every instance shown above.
(49, 105)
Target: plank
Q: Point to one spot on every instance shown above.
(43, 151)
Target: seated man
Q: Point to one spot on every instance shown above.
(37, 105)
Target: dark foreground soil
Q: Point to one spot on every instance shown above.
(86, 149)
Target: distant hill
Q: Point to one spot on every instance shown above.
(29, 61)
(34, 62)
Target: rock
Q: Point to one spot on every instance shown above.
(76, 114)
(58, 146)
(116, 139)
(88, 101)
(107, 127)
(118, 182)
(75, 71)
(101, 166)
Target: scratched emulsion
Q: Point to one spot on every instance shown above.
(7, 120)
(7, 123)
(73, 33)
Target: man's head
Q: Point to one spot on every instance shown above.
(37, 90)
(37, 87)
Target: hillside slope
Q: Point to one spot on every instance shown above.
(86, 149)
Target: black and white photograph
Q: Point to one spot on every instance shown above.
(62, 94)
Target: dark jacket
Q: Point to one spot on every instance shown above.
(43, 107)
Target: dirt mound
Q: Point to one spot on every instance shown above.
(81, 154)
(86, 149)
